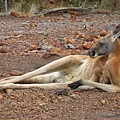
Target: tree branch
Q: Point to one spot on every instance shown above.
(48, 11)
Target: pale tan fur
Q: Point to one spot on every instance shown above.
(94, 72)
(59, 73)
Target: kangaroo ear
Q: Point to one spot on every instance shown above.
(118, 26)
(111, 28)
(116, 34)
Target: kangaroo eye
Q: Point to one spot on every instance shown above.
(103, 44)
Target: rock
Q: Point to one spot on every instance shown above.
(73, 96)
(33, 47)
(14, 13)
(42, 104)
(1, 96)
(80, 35)
(69, 46)
(8, 91)
(16, 72)
(88, 38)
(2, 43)
(3, 50)
(33, 24)
(99, 11)
(103, 102)
(87, 45)
(51, 1)
(60, 98)
(103, 33)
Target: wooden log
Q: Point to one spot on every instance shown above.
(80, 9)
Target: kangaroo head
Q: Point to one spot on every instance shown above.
(104, 45)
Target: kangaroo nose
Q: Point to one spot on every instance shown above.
(91, 53)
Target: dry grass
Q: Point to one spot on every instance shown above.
(38, 5)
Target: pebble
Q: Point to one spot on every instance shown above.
(8, 90)
(73, 96)
(3, 50)
(69, 46)
(33, 47)
(1, 96)
(103, 33)
(103, 102)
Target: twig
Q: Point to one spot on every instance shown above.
(80, 9)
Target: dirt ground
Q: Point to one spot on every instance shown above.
(31, 42)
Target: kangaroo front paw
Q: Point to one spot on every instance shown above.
(75, 85)
(62, 92)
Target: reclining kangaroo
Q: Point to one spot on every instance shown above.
(100, 70)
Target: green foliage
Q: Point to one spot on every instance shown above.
(1, 5)
(110, 4)
(76, 2)
(25, 7)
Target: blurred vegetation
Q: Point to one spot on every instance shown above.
(29, 5)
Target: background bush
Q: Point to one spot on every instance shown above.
(25, 5)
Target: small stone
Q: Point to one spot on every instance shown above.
(60, 98)
(103, 33)
(15, 14)
(88, 38)
(103, 102)
(33, 47)
(51, 1)
(112, 109)
(3, 50)
(80, 36)
(69, 46)
(87, 45)
(33, 24)
(1, 96)
(42, 104)
(8, 90)
(73, 96)
(16, 72)
(99, 11)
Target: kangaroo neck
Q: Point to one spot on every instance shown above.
(115, 51)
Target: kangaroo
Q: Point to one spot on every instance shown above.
(108, 46)
(78, 72)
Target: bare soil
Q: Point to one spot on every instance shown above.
(19, 40)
